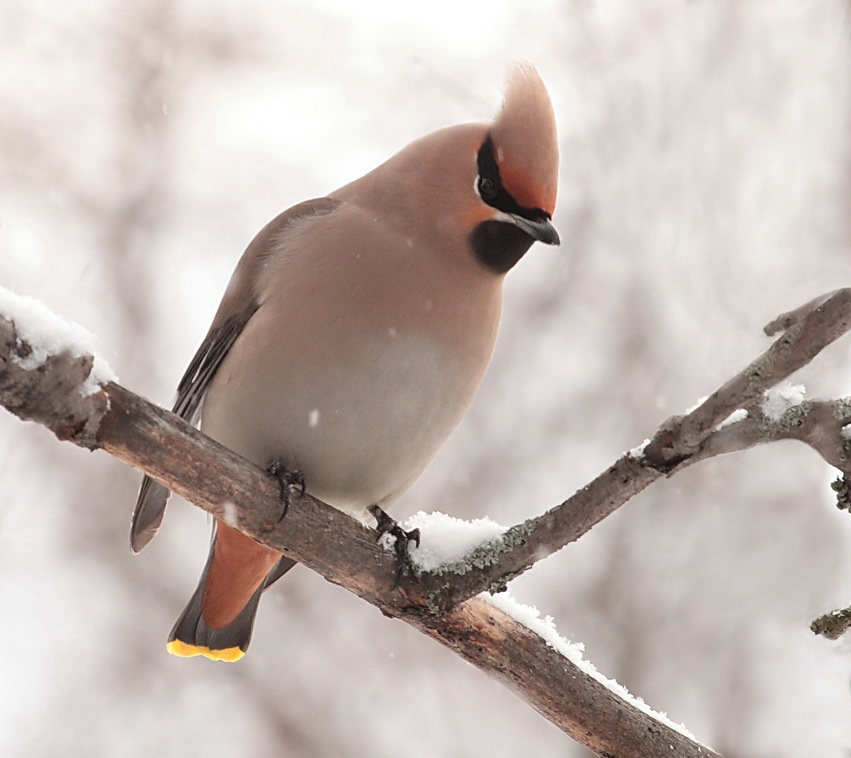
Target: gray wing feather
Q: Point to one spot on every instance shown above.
(150, 505)
(237, 308)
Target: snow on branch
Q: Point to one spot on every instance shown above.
(47, 370)
(42, 334)
(64, 390)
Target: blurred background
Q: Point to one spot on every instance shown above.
(705, 188)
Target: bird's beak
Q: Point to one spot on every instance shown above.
(543, 231)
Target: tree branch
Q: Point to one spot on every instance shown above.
(680, 441)
(345, 552)
(832, 625)
(326, 540)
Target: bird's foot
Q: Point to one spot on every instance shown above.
(387, 525)
(290, 481)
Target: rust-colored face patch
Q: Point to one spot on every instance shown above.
(525, 190)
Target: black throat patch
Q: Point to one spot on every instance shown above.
(499, 245)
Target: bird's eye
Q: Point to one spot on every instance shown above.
(487, 188)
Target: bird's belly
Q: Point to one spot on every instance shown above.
(361, 430)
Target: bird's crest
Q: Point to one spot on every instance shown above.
(525, 140)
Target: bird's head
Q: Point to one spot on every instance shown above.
(487, 189)
(516, 176)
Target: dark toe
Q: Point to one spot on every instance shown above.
(288, 481)
(386, 525)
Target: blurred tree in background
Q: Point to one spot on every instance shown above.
(705, 188)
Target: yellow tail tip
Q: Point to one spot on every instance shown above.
(185, 650)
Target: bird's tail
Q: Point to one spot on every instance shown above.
(219, 617)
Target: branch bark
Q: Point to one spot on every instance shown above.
(439, 604)
(832, 625)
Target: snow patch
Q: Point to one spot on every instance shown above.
(48, 334)
(700, 401)
(545, 628)
(781, 398)
(445, 539)
(313, 418)
(739, 415)
(638, 451)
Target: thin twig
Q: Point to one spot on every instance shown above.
(832, 625)
(678, 442)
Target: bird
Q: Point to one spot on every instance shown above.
(354, 334)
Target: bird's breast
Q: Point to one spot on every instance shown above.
(360, 411)
(364, 354)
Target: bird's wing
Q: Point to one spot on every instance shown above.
(239, 304)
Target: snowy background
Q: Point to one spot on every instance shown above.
(705, 188)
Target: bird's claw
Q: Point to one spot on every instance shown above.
(288, 480)
(387, 525)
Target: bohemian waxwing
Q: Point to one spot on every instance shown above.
(354, 334)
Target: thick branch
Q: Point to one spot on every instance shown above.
(328, 541)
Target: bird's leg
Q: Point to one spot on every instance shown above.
(387, 525)
(289, 481)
